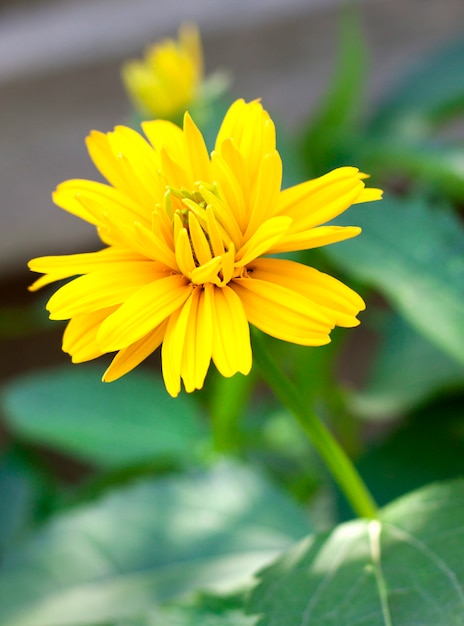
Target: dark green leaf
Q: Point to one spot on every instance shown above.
(129, 421)
(340, 108)
(23, 496)
(16, 502)
(149, 543)
(201, 610)
(413, 253)
(430, 91)
(438, 166)
(191, 616)
(203, 618)
(407, 370)
(21, 321)
(404, 570)
(427, 446)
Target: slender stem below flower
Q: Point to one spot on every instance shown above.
(228, 399)
(333, 455)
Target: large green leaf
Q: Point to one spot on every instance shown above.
(148, 543)
(430, 91)
(414, 254)
(404, 570)
(129, 421)
(406, 370)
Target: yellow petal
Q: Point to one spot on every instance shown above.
(102, 288)
(79, 338)
(143, 311)
(231, 122)
(318, 201)
(228, 266)
(138, 163)
(265, 237)
(332, 298)
(133, 234)
(128, 358)
(66, 265)
(293, 196)
(173, 347)
(153, 245)
(215, 232)
(200, 165)
(369, 194)
(65, 196)
(198, 210)
(198, 345)
(282, 312)
(207, 273)
(184, 256)
(234, 168)
(166, 135)
(231, 186)
(175, 172)
(231, 340)
(254, 144)
(112, 201)
(162, 222)
(107, 162)
(252, 131)
(224, 216)
(314, 238)
(199, 240)
(265, 192)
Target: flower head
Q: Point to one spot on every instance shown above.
(186, 236)
(167, 81)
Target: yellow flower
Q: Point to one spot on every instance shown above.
(185, 235)
(168, 80)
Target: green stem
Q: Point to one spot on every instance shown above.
(227, 402)
(336, 460)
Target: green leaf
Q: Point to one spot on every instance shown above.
(414, 254)
(438, 166)
(21, 321)
(16, 503)
(407, 370)
(203, 609)
(150, 543)
(431, 91)
(129, 421)
(427, 446)
(340, 108)
(191, 616)
(24, 495)
(197, 618)
(405, 569)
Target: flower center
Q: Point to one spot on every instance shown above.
(205, 253)
(191, 216)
